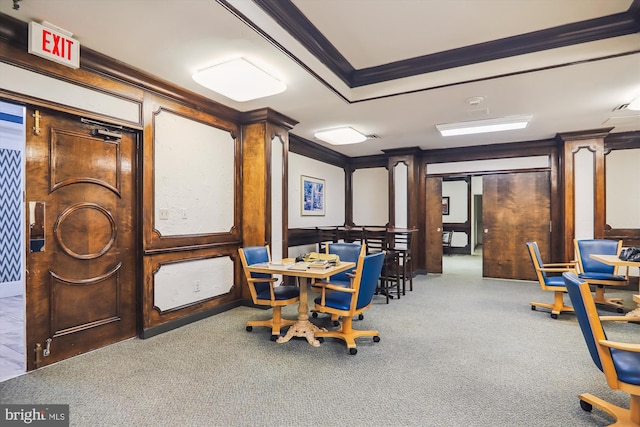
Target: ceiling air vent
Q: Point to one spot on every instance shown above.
(621, 107)
(374, 136)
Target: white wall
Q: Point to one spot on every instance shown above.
(194, 177)
(194, 183)
(370, 196)
(401, 188)
(623, 192)
(457, 191)
(334, 192)
(584, 174)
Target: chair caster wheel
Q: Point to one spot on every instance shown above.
(554, 316)
(360, 316)
(320, 339)
(314, 314)
(274, 337)
(336, 323)
(586, 406)
(376, 339)
(620, 310)
(533, 307)
(353, 351)
(249, 328)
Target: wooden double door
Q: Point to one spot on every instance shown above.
(81, 275)
(516, 208)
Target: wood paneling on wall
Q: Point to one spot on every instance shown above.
(161, 250)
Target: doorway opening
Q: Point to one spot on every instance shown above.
(463, 217)
(12, 222)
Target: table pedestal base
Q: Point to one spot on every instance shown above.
(635, 312)
(302, 328)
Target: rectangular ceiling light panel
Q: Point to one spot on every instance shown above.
(239, 80)
(340, 136)
(483, 126)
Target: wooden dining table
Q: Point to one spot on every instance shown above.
(614, 261)
(303, 326)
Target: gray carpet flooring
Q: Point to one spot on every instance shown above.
(459, 350)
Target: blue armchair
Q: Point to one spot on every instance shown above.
(349, 252)
(619, 361)
(599, 274)
(349, 302)
(553, 283)
(264, 292)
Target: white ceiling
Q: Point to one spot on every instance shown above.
(571, 88)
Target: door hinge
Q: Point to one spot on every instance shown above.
(36, 122)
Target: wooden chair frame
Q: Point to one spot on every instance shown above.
(558, 305)
(276, 323)
(346, 331)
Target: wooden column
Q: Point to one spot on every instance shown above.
(258, 129)
(593, 141)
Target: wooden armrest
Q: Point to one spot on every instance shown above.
(262, 280)
(557, 270)
(338, 288)
(320, 286)
(620, 318)
(560, 264)
(635, 348)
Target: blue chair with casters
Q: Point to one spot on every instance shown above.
(351, 301)
(549, 282)
(619, 361)
(597, 273)
(349, 252)
(264, 291)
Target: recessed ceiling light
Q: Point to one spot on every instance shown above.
(239, 80)
(341, 136)
(482, 126)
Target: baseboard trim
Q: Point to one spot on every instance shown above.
(175, 324)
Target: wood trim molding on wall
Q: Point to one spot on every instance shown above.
(593, 140)
(153, 241)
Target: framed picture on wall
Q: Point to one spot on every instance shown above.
(312, 196)
(445, 205)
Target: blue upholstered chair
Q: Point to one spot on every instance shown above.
(351, 301)
(597, 273)
(264, 291)
(550, 282)
(620, 362)
(349, 252)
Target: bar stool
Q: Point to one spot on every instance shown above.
(401, 245)
(326, 235)
(376, 240)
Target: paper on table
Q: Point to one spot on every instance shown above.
(299, 266)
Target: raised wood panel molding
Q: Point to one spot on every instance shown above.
(153, 241)
(153, 318)
(593, 140)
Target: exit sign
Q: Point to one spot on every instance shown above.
(54, 45)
